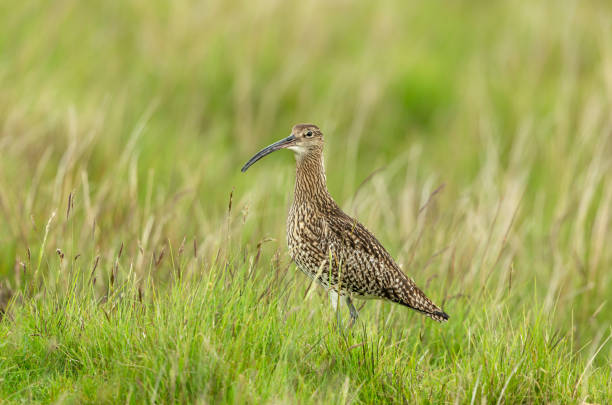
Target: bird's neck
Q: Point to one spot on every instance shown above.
(310, 181)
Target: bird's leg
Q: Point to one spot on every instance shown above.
(333, 297)
(352, 309)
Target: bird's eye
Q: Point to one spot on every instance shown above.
(308, 134)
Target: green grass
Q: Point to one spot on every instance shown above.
(137, 264)
(232, 335)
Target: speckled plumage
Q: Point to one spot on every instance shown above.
(333, 248)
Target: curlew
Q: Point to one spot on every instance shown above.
(330, 246)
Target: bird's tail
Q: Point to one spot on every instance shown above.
(408, 294)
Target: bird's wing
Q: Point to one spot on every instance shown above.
(369, 270)
(358, 249)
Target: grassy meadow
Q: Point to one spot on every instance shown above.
(138, 265)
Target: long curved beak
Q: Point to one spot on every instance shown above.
(283, 143)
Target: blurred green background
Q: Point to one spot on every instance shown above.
(141, 113)
(176, 96)
(154, 101)
(153, 104)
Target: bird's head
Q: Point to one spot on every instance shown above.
(305, 139)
